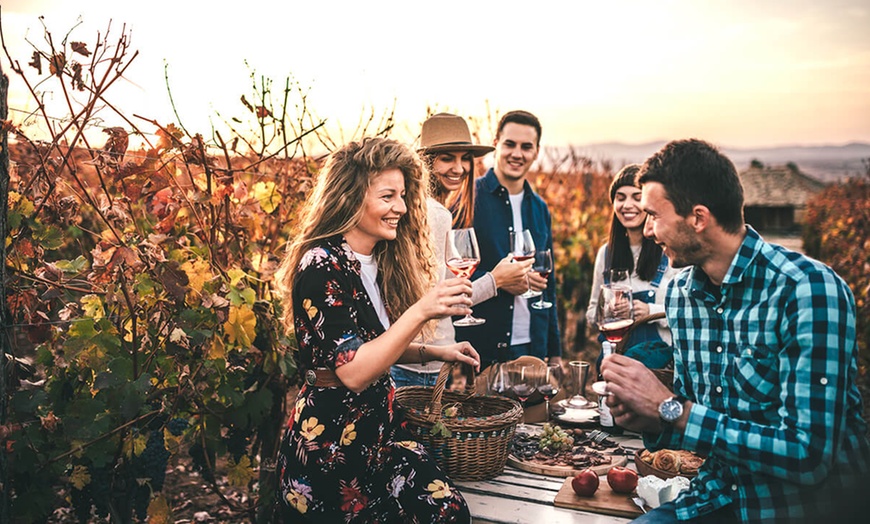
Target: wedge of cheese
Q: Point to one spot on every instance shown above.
(655, 491)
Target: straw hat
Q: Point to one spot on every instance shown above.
(446, 132)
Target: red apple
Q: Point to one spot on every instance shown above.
(622, 480)
(585, 483)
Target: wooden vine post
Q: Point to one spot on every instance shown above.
(5, 329)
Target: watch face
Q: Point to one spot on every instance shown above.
(671, 409)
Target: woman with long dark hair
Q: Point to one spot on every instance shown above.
(648, 268)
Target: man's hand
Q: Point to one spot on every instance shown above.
(634, 393)
(511, 276)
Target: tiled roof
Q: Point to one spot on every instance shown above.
(777, 186)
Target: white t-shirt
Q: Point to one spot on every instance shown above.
(369, 273)
(522, 318)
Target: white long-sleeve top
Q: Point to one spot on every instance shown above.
(440, 222)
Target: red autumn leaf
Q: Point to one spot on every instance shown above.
(56, 64)
(80, 48)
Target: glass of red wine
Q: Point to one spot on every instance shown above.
(462, 256)
(522, 382)
(550, 383)
(615, 311)
(523, 248)
(543, 266)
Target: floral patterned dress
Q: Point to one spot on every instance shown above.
(344, 457)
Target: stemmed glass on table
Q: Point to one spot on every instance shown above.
(462, 256)
(550, 383)
(523, 248)
(543, 266)
(522, 382)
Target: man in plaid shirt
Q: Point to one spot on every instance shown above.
(765, 360)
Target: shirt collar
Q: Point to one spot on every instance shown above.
(750, 247)
(491, 183)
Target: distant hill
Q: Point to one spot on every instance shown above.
(827, 163)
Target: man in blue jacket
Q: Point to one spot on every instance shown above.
(504, 202)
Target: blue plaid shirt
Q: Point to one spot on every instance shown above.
(769, 360)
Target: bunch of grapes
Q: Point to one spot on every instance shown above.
(151, 464)
(554, 438)
(177, 426)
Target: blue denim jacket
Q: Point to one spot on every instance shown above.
(492, 223)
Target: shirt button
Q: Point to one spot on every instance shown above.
(718, 389)
(823, 381)
(733, 487)
(508, 333)
(719, 349)
(719, 310)
(651, 293)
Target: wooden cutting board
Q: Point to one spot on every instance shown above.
(604, 501)
(564, 471)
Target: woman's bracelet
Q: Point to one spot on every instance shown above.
(422, 350)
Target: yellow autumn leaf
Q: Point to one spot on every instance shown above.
(92, 307)
(198, 273)
(173, 444)
(241, 473)
(217, 350)
(134, 446)
(128, 330)
(236, 275)
(266, 195)
(80, 477)
(158, 511)
(240, 325)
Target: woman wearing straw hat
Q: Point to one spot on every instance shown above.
(447, 149)
(357, 295)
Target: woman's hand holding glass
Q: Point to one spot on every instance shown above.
(462, 256)
(448, 298)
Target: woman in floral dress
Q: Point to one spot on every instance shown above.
(356, 285)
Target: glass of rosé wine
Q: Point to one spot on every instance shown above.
(615, 311)
(462, 256)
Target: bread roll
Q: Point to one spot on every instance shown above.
(666, 460)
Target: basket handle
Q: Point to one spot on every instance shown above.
(620, 346)
(438, 391)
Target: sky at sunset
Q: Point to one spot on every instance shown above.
(739, 73)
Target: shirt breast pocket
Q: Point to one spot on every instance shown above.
(756, 374)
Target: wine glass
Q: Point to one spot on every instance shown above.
(463, 256)
(523, 248)
(619, 276)
(549, 384)
(579, 375)
(522, 382)
(615, 311)
(543, 266)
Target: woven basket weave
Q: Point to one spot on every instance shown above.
(480, 433)
(665, 375)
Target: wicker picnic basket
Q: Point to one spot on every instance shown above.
(665, 375)
(470, 444)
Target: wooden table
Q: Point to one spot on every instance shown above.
(519, 497)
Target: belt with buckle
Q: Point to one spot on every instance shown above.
(322, 378)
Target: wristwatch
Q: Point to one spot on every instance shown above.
(671, 409)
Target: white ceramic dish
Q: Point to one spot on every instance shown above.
(600, 388)
(578, 416)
